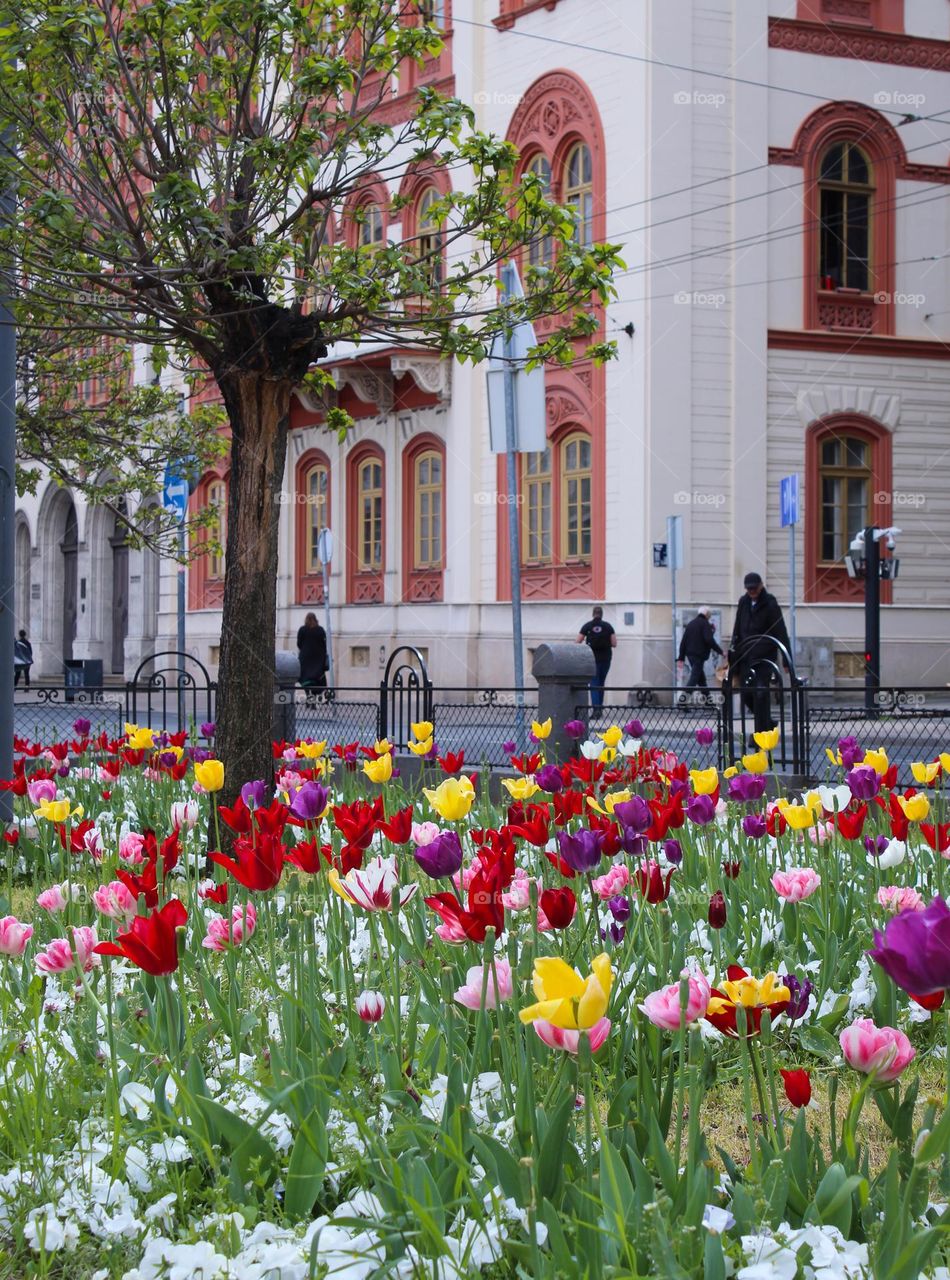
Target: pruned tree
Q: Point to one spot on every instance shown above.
(181, 166)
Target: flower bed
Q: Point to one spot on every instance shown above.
(640, 1020)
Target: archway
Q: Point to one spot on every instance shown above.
(23, 552)
(119, 542)
(69, 549)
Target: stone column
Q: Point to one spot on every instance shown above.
(563, 672)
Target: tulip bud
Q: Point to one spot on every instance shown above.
(370, 1005)
(717, 910)
(797, 1087)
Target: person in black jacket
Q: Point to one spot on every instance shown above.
(754, 653)
(312, 648)
(698, 642)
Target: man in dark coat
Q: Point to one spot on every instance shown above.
(312, 648)
(698, 642)
(753, 654)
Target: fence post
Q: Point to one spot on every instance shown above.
(563, 672)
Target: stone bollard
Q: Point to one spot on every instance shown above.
(287, 673)
(563, 672)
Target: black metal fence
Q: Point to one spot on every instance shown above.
(670, 719)
(909, 724)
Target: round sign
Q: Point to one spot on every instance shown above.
(325, 546)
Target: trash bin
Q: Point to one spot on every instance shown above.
(80, 674)
(72, 675)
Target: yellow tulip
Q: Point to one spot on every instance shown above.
(757, 762)
(520, 788)
(798, 816)
(705, 781)
(612, 799)
(814, 802)
(767, 739)
(925, 773)
(541, 728)
(749, 993)
(380, 769)
(424, 729)
(565, 999)
(876, 760)
(420, 748)
(731, 772)
(177, 752)
(210, 774)
(452, 798)
(945, 762)
(611, 737)
(53, 810)
(311, 750)
(140, 739)
(915, 808)
(608, 755)
(833, 756)
(383, 747)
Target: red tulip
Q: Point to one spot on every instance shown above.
(933, 1001)
(851, 825)
(559, 905)
(731, 869)
(257, 864)
(452, 762)
(938, 837)
(717, 910)
(310, 856)
(567, 804)
(533, 829)
(797, 1087)
(151, 942)
(398, 828)
(650, 880)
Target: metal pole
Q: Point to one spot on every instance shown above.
(7, 507)
(791, 555)
(672, 552)
(325, 570)
(181, 622)
(872, 619)
(514, 531)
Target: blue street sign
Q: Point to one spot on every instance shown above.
(788, 494)
(175, 493)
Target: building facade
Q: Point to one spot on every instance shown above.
(777, 174)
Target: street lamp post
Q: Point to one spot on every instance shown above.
(865, 561)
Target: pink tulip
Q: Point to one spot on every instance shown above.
(184, 814)
(451, 931)
(14, 936)
(235, 932)
(423, 833)
(559, 1038)
(55, 898)
(499, 986)
(895, 898)
(130, 847)
(92, 841)
(821, 832)
(462, 879)
(613, 882)
(663, 1007)
(884, 1050)
(40, 790)
(797, 884)
(59, 957)
(370, 1005)
(115, 901)
(518, 897)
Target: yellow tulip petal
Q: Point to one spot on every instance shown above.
(541, 729)
(422, 729)
(593, 1003)
(558, 1012)
(767, 739)
(603, 971)
(756, 762)
(555, 979)
(337, 885)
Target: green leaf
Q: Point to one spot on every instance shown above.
(499, 1161)
(306, 1167)
(244, 1141)
(551, 1156)
(817, 1040)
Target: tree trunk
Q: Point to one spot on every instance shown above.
(258, 410)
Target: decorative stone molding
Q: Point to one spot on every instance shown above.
(821, 402)
(432, 374)
(512, 10)
(866, 46)
(372, 386)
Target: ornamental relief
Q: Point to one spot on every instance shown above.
(549, 108)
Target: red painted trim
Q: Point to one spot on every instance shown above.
(831, 585)
(512, 10)
(858, 344)
(866, 46)
(372, 191)
(874, 15)
(204, 592)
(308, 587)
(362, 588)
(427, 584)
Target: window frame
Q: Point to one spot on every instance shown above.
(365, 585)
(308, 574)
(218, 531)
(422, 583)
(583, 441)
(531, 483)
(849, 190)
(571, 195)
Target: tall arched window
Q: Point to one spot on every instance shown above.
(369, 487)
(366, 525)
(844, 480)
(429, 237)
(579, 190)
(206, 572)
(536, 495)
(423, 480)
(541, 249)
(311, 514)
(371, 226)
(217, 529)
(427, 525)
(317, 491)
(845, 193)
(576, 498)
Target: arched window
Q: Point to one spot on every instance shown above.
(845, 194)
(541, 249)
(429, 237)
(427, 525)
(575, 511)
(317, 505)
(369, 490)
(423, 540)
(579, 191)
(365, 525)
(844, 478)
(371, 226)
(311, 514)
(432, 13)
(536, 495)
(217, 529)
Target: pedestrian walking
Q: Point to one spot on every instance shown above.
(698, 642)
(753, 654)
(314, 661)
(22, 660)
(602, 640)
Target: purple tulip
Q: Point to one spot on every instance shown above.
(633, 843)
(705, 736)
(549, 779)
(800, 990)
(746, 787)
(63, 771)
(701, 810)
(167, 759)
(864, 782)
(197, 754)
(81, 727)
(509, 748)
(309, 801)
(207, 728)
(619, 907)
(754, 825)
(575, 729)
(441, 857)
(254, 794)
(673, 852)
(615, 932)
(914, 949)
(850, 752)
(634, 813)
(876, 845)
(678, 787)
(634, 729)
(582, 851)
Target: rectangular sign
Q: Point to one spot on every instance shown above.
(788, 500)
(674, 537)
